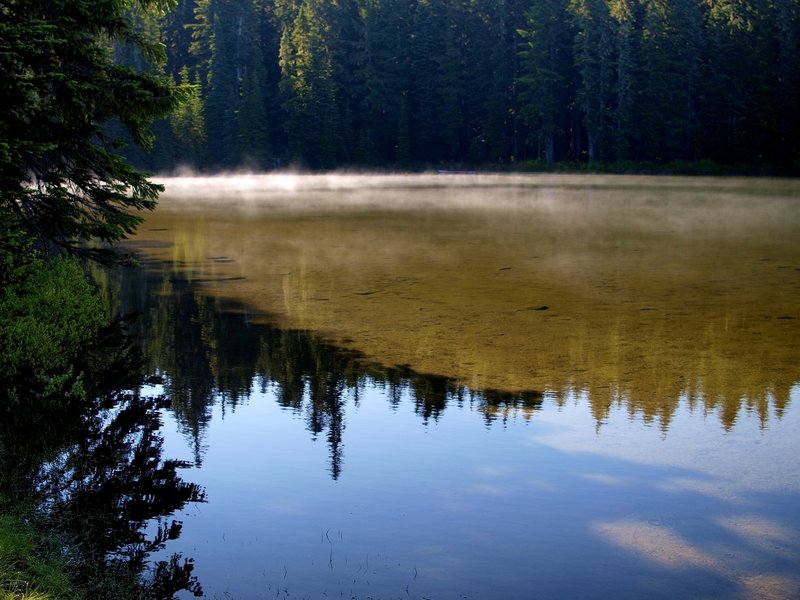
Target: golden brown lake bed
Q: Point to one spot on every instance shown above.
(635, 289)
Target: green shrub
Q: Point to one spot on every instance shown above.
(48, 311)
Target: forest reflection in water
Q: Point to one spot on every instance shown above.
(642, 291)
(457, 512)
(210, 351)
(629, 346)
(95, 474)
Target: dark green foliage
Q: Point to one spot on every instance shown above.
(59, 87)
(382, 110)
(223, 94)
(48, 312)
(547, 76)
(670, 51)
(308, 86)
(79, 457)
(594, 57)
(406, 83)
(628, 17)
(416, 83)
(427, 103)
(48, 317)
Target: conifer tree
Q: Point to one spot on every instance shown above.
(308, 87)
(547, 74)
(627, 17)
(383, 108)
(415, 82)
(254, 149)
(425, 94)
(786, 27)
(228, 42)
(670, 52)
(188, 125)
(595, 60)
(60, 175)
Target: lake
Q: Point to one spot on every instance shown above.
(456, 386)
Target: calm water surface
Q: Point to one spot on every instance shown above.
(480, 386)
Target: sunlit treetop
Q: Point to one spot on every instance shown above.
(60, 176)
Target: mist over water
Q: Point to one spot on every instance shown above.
(294, 192)
(577, 200)
(581, 385)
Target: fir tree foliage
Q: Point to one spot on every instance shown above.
(308, 86)
(416, 83)
(546, 82)
(61, 177)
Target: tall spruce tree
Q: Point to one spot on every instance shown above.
(228, 43)
(671, 59)
(384, 107)
(786, 26)
(426, 93)
(253, 147)
(547, 75)
(594, 57)
(627, 17)
(60, 175)
(307, 86)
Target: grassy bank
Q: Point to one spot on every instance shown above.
(32, 563)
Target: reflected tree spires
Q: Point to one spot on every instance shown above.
(209, 351)
(503, 405)
(112, 484)
(430, 395)
(326, 411)
(104, 487)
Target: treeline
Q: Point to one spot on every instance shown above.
(409, 83)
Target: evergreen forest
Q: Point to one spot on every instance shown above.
(322, 84)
